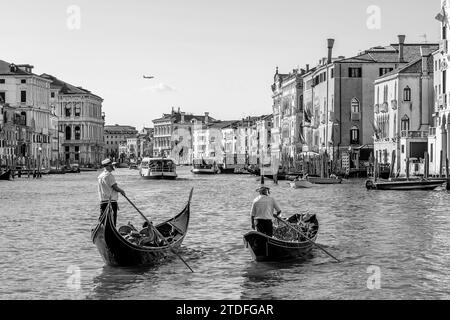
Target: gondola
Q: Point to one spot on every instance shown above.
(5, 175)
(273, 249)
(405, 185)
(116, 248)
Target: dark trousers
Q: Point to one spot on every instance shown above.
(264, 226)
(113, 206)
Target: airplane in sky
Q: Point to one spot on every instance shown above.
(148, 77)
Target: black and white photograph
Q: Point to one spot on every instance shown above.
(230, 152)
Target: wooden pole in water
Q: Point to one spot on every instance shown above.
(440, 164)
(391, 169)
(425, 166)
(375, 167)
(407, 169)
(446, 168)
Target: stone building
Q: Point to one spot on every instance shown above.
(114, 135)
(81, 119)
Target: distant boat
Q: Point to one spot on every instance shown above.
(318, 180)
(415, 184)
(202, 166)
(301, 183)
(158, 168)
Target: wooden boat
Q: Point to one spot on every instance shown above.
(265, 248)
(302, 183)
(5, 175)
(416, 184)
(318, 180)
(116, 248)
(158, 168)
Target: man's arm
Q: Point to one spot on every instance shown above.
(276, 207)
(116, 188)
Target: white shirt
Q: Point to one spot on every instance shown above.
(105, 182)
(263, 207)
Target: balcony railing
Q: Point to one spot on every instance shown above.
(384, 107)
(414, 134)
(432, 132)
(376, 108)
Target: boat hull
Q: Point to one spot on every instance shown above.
(159, 175)
(204, 171)
(315, 180)
(404, 185)
(5, 175)
(117, 251)
(264, 248)
(301, 184)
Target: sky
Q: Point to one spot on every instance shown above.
(211, 56)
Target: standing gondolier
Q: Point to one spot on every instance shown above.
(108, 189)
(262, 211)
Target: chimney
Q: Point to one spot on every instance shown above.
(401, 44)
(302, 71)
(307, 68)
(330, 50)
(178, 109)
(173, 110)
(182, 117)
(206, 117)
(424, 56)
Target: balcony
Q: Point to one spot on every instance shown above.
(394, 104)
(384, 108)
(376, 108)
(356, 116)
(432, 132)
(415, 134)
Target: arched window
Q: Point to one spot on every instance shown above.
(405, 123)
(355, 105)
(68, 133)
(354, 135)
(77, 133)
(68, 111)
(407, 94)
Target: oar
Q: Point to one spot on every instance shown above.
(304, 235)
(157, 232)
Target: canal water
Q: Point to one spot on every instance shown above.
(392, 245)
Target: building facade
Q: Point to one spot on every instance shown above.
(114, 136)
(81, 119)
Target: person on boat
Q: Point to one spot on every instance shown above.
(108, 190)
(262, 211)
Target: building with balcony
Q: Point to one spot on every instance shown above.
(81, 119)
(439, 138)
(27, 96)
(404, 103)
(339, 99)
(286, 134)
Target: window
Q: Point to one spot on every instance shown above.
(77, 133)
(23, 96)
(407, 94)
(2, 97)
(77, 153)
(355, 72)
(355, 105)
(68, 109)
(52, 94)
(354, 135)
(68, 133)
(23, 81)
(431, 152)
(332, 73)
(2, 80)
(405, 123)
(383, 71)
(77, 111)
(444, 81)
(403, 148)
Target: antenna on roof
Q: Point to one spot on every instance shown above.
(424, 36)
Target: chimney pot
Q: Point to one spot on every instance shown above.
(307, 68)
(330, 49)
(401, 43)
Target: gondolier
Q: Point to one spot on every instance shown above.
(108, 190)
(262, 211)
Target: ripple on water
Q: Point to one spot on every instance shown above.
(45, 240)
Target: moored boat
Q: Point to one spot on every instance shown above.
(158, 168)
(415, 184)
(5, 175)
(318, 180)
(285, 244)
(127, 247)
(301, 183)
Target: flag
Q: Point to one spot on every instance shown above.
(442, 16)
